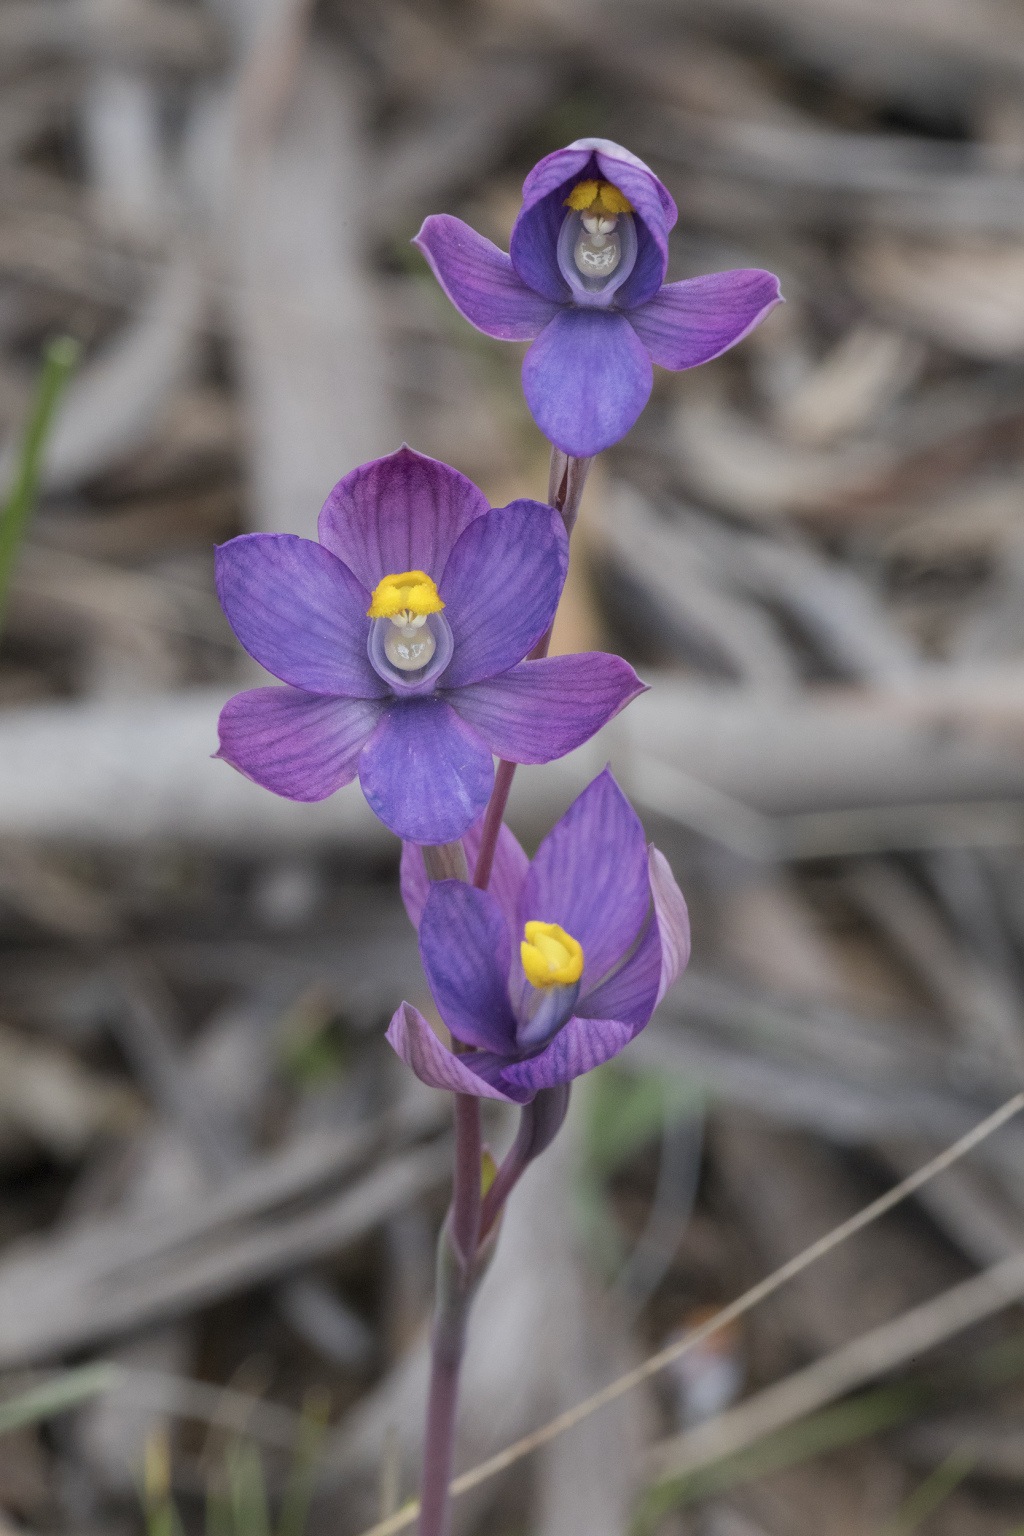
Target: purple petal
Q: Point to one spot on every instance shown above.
(561, 166)
(654, 207)
(481, 281)
(501, 588)
(507, 873)
(581, 1046)
(534, 242)
(672, 918)
(424, 772)
(400, 513)
(300, 612)
(632, 993)
(535, 234)
(412, 1038)
(634, 177)
(648, 272)
(586, 379)
(590, 876)
(693, 321)
(301, 745)
(466, 952)
(542, 709)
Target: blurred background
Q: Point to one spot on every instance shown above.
(219, 1193)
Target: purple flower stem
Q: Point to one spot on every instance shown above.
(447, 1345)
(566, 479)
(465, 1213)
(506, 1178)
(468, 1219)
(539, 1124)
(493, 819)
(457, 1252)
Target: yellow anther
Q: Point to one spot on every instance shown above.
(582, 195)
(410, 592)
(551, 957)
(598, 197)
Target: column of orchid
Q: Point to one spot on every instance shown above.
(412, 640)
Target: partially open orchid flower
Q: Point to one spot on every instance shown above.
(585, 282)
(402, 636)
(557, 966)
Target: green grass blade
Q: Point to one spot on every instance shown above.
(161, 1514)
(59, 1394)
(298, 1493)
(937, 1487)
(60, 358)
(248, 1490)
(219, 1520)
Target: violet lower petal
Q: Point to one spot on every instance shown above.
(507, 873)
(693, 321)
(501, 587)
(579, 1047)
(590, 875)
(672, 918)
(299, 612)
(541, 710)
(404, 512)
(424, 772)
(412, 1038)
(586, 379)
(303, 746)
(466, 951)
(481, 281)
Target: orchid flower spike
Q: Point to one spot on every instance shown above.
(554, 968)
(401, 635)
(585, 282)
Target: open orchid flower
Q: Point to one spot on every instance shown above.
(402, 635)
(557, 966)
(584, 280)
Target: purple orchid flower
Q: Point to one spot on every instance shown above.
(603, 930)
(402, 636)
(585, 282)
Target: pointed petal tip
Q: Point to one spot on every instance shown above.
(697, 319)
(411, 1038)
(481, 281)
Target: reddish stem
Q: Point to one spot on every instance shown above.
(493, 819)
(465, 1211)
(452, 1313)
(468, 1218)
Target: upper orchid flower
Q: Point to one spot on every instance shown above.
(602, 931)
(584, 276)
(402, 634)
